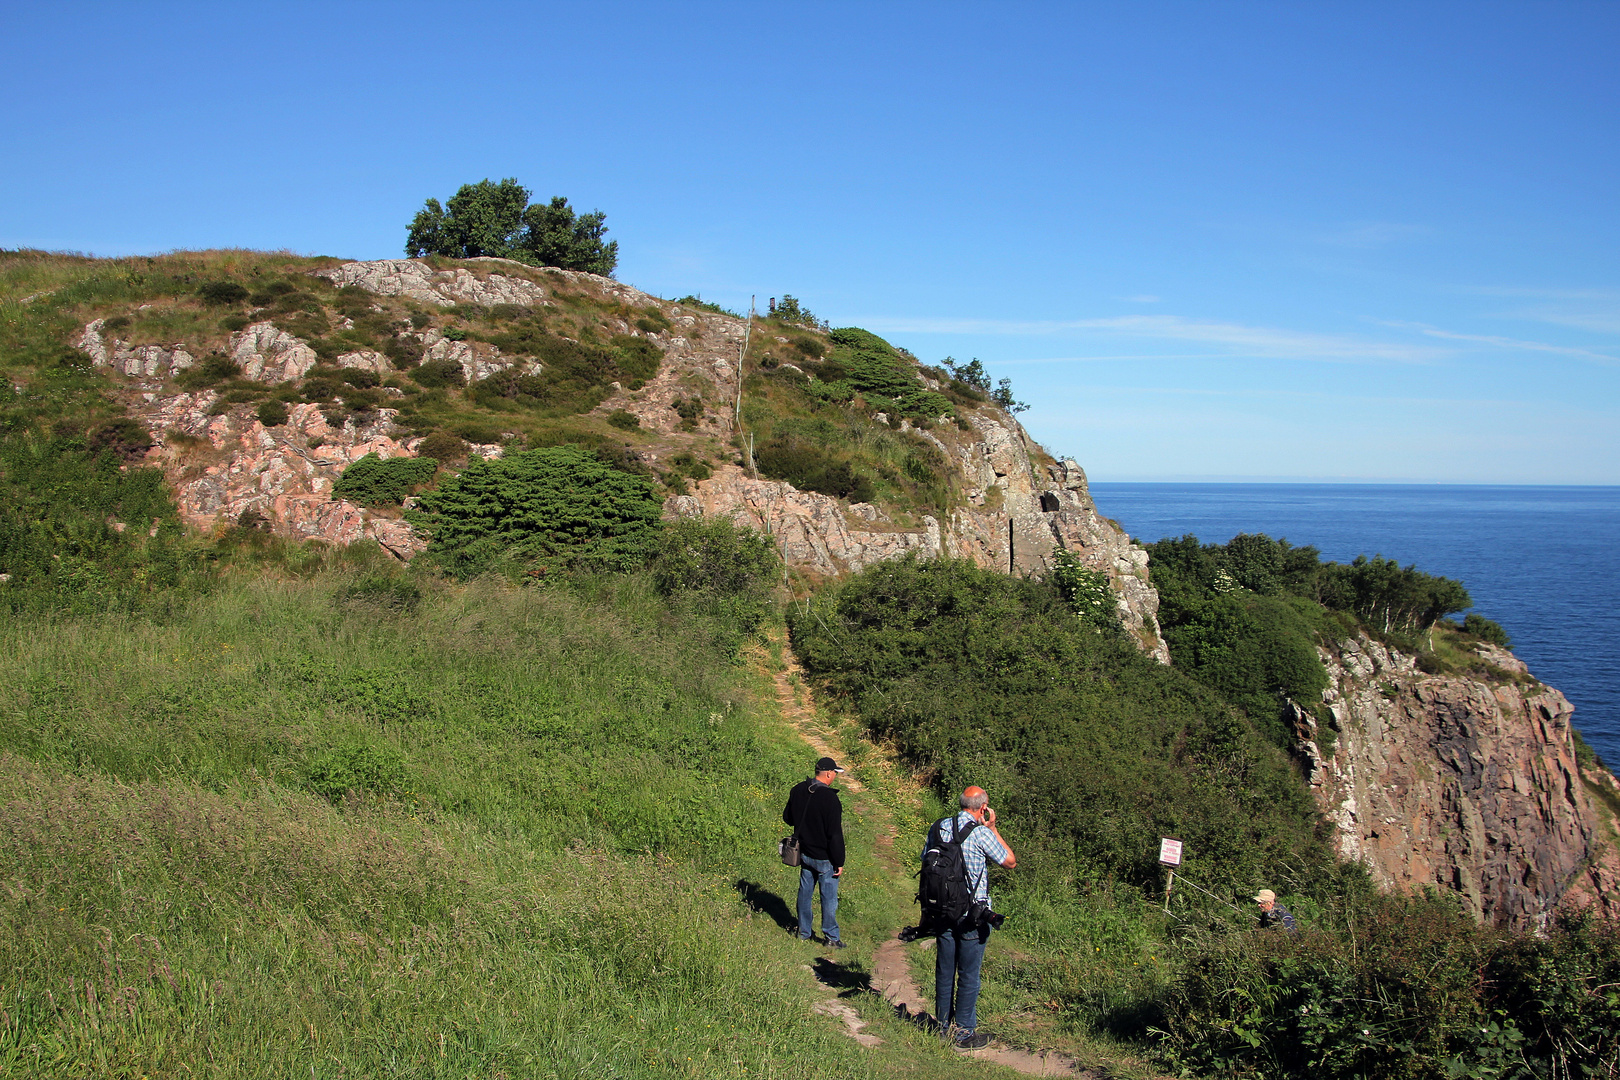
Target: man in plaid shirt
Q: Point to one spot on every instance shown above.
(960, 950)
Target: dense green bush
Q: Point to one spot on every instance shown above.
(272, 413)
(61, 511)
(222, 293)
(809, 467)
(1415, 990)
(1486, 630)
(559, 503)
(1087, 591)
(726, 571)
(376, 481)
(1245, 617)
(1097, 750)
(861, 362)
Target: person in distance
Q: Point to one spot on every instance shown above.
(1273, 914)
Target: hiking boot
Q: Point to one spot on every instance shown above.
(836, 945)
(975, 1041)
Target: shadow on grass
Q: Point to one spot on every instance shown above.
(847, 979)
(766, 902)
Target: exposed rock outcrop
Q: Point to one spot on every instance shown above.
(227, 468)
(268, 354)
(1018, 514)
(139, 362)
(417, 280)
(1460, 782)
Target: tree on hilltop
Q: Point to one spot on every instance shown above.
(498, 220)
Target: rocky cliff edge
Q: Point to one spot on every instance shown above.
(1466, 783)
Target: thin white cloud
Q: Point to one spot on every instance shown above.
(1593, 309)
(1369, 234)
(1234, 338)
(1506, 342)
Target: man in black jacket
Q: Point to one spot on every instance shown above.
(817, 818)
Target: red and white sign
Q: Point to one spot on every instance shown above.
(1169, 851)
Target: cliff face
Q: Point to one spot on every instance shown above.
(1466, 783)
(1036, 510)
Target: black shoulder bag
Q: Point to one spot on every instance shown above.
(788, 846)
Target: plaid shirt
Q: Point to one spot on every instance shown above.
(981, 844)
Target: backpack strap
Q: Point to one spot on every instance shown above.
(804, 811)
(958, 837)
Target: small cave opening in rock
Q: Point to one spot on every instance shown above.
(1049, 503)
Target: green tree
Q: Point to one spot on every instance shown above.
(559, 503)
(488, 219)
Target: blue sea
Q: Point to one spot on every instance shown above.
(1542, 561)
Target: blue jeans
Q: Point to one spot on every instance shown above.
(957, 957)
(812, 871)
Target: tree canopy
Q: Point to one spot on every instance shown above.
(498, 220)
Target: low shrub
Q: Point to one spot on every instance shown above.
(212, 370)
(375, 481)
(628, 421)
(222, 293)
(809, 467)
(273, 413)
(442, 446)
(125, 438)
(438, 373)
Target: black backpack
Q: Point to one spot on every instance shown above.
(943, 889)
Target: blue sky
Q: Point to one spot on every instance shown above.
(1205, 241)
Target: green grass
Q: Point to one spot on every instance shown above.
(544, 884)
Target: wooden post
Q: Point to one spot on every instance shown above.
(1168, 883)
(742, 354)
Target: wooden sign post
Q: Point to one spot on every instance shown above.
(1169, 856)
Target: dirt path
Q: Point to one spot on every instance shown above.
(891, 969)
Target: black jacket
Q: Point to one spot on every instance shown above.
(821, 832)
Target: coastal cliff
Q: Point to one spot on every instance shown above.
(1464, 782)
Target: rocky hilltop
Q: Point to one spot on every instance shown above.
(1461, 782)
(225, 465)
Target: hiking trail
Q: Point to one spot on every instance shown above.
(891, 976)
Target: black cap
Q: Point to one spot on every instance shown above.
(827, 764)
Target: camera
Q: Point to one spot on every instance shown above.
(981, 914)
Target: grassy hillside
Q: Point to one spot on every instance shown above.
(295, 827)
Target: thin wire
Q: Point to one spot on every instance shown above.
(1206, 892)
